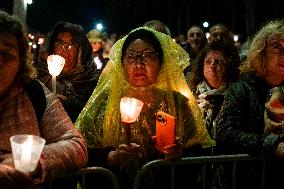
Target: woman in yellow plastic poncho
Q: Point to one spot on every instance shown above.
(147, 65)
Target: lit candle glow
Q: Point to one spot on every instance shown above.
(98, 62)
(26, 155)
(55, 65)
(130, 109)
(26, 150)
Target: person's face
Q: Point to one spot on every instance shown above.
(66, 46)
(195, 36)
(96, 46)
(214, 68)
(275, 62)
(9, 61)
(219, 33)
(141, 63)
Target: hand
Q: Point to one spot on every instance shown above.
(279, 152)
(125, 154)
(173, 151)
(202, 103)
(62, 98)
(37, 173)
(14, 179)
(7, 159)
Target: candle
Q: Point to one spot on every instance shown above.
(98, 62)
(26, 155)
(55, 65)
(130, 109)
(26, 150)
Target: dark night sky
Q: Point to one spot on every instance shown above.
(123, 15)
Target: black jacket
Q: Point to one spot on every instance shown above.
(240, 123)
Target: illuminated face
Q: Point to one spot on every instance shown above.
(9, 61)
(141, 63)
(66, 46)
(274, 73)
(214, 69)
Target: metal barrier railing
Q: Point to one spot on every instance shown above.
(205, 161)
(82, 173)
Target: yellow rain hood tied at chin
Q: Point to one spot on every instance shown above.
(99, 122)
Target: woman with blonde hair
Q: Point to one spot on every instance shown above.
(241, 123)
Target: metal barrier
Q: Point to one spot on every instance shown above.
(205, 161)
(82, 173)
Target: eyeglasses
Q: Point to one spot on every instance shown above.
(65, 45)
(146, 57)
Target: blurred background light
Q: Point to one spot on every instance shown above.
(28, 2)
(99, 26)
(205, 24)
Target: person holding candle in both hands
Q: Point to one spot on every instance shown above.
(146, 65)
(38, 113)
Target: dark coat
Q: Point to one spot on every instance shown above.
(78, 84)
(240, 123)
(240, 129)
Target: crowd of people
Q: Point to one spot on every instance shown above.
(221, 101)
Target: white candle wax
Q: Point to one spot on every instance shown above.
(26, 155)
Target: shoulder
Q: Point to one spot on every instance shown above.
(248, 81)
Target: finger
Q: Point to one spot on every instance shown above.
(202, 95)
(127, 157)
(154, 139)
(123, 147)
(123, 154)
(169, 147)
(134, 147)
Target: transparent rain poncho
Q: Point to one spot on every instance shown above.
(100, 123)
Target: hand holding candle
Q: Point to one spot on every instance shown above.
(26, 150)
(55, 65)
(130, 109)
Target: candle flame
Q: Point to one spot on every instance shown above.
(130, 109)
(55, 64)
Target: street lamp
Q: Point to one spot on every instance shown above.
(99, 26)
(28, 1)
(20, 9)
(205, 24)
